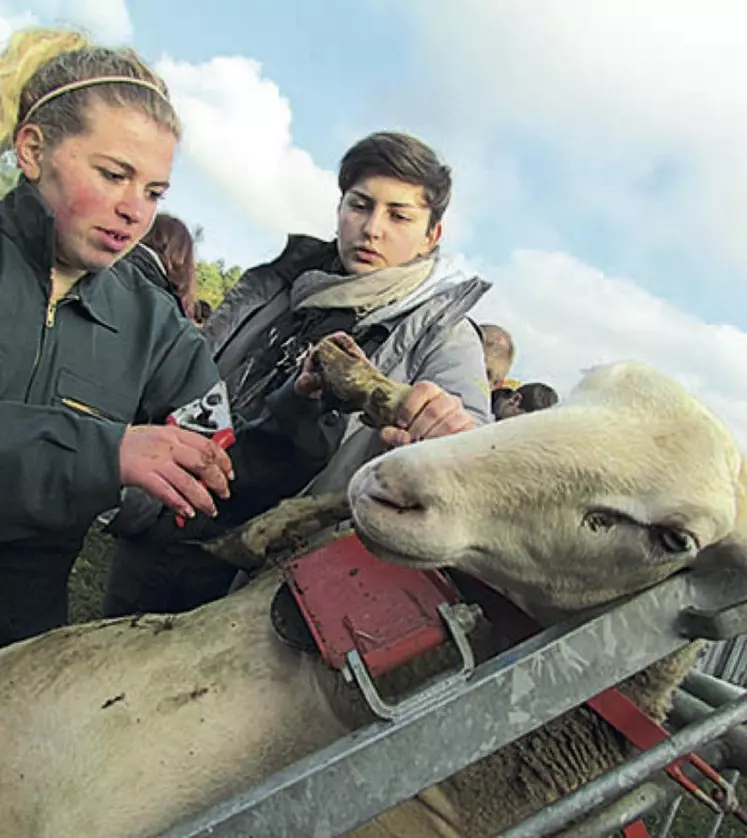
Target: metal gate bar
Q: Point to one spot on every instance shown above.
(726, 659)
(373, 769)
(730, 777)
(627, 776)
(700, 694)
(633, 806)
(658, 791)
(671, 817)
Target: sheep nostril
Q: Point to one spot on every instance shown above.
(397, 503)
(395, 492)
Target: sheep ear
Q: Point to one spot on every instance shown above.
(727, 554)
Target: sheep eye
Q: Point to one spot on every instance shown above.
(602, 520)
(675, 541)
(672, 540)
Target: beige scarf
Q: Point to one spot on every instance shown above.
(364, 294)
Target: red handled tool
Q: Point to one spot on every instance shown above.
(209, 416)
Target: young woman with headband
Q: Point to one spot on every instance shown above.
(92, 356)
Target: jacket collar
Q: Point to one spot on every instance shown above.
(30, 225)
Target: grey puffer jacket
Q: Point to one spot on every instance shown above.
(429, 338)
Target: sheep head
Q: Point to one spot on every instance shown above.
(612, 491)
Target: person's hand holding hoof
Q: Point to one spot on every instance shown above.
(178, 467)
(428, 412)
(309, 383)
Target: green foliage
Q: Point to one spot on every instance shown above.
(214, 280)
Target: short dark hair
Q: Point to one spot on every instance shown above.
(537, 396)
(400, 156)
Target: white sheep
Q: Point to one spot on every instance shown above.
(120, 729)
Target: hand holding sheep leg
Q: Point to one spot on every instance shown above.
(356, 382)
(311, 382)
(404, 413)
(428, 412)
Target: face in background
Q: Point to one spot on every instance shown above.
(498, 348)
(506, 403)
(383, 222)
(102, 185)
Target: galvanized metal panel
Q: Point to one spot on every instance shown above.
(627, 776)
(374, 769)
(727, 659)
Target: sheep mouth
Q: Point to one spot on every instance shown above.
(387, 504)
(390, 531)
(377, 512)
(378, 495)
(407, 541)
(398, 526)
(385, 550)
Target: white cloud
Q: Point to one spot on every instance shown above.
(105, 20)
(10, 23)
(238, 131)
(642, 105)
(566, 316)
(632, 116)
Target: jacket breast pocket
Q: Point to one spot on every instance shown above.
(101, 401)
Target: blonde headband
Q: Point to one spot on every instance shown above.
(78, 85)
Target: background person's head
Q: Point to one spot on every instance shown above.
(394, 192)
(536, 396)
(98, 150)
(171, 240)
(500, 352)
(506, 402)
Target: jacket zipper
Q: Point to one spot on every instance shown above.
(49, 317)
(49, 321)
(51, 313)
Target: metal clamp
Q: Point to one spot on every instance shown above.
(460, 619)
(706, 624)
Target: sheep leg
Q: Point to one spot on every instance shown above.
(358, 385)
(279, 531)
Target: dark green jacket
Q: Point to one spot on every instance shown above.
(114, 351)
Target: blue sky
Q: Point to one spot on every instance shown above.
(600, 180)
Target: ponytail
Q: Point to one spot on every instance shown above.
(26, 52)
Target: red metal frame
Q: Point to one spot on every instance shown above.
(353, 600)
(636, 830)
